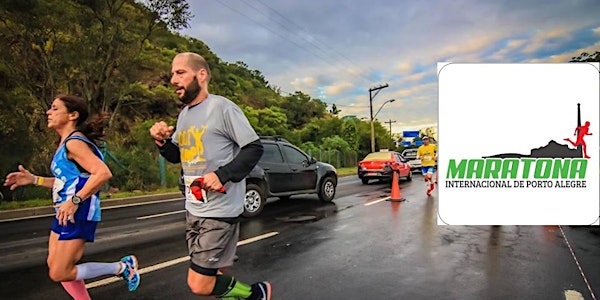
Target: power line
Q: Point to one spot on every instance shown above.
(304, 38)
(317, 40)
(284, 37)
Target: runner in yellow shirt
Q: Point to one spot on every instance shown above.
(427, 153)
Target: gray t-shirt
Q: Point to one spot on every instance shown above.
(209, 136)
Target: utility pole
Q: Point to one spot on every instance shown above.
(375, 89)
(390, 122)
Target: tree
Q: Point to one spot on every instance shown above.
(335, 143)
(586, 57)
(334, 110)
(350, 133)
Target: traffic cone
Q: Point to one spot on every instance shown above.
(396, 195)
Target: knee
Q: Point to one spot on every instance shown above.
(200, 289)
(57, 275)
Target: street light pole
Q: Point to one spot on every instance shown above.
(376, 89)
(373, 121)
(390, 122)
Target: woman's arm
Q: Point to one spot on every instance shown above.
(24, 177)
(80, 152)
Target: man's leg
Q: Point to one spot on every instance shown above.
(430, 183)
(212, 245)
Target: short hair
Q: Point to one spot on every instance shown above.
(196, 62)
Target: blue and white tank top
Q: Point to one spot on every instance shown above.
(69, 180)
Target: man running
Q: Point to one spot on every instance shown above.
(427, 153)
(217, 148)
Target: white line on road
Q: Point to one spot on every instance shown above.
(160, 215)
(169, 263)
(377, 201)
(257, 238)
(103, 208)
(577, 263)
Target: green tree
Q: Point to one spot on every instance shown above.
(350, 133)
(587, 57)
(334, 110)
(336, 143)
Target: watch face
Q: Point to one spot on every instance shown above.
(76, 200)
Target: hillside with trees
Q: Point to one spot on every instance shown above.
(117, 55)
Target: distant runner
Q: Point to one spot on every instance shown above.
(427, 153)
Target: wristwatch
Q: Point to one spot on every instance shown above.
(76, 200)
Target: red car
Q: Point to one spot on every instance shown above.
(380, 165)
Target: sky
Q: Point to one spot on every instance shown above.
(337, 50)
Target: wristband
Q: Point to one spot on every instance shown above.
(38, 180)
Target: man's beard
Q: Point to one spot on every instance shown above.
(191, 92)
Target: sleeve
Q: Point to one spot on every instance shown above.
(170, 151)
(237, 126)
(242, 164)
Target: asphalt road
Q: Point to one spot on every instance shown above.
(358, 247)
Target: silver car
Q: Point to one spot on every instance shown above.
(411, 155)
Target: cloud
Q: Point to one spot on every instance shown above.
(567, 56)
(511, 45)
(404, 67)
(304, 83)
(338, 88)
(543, 39)
(415, 76)
(335, 50)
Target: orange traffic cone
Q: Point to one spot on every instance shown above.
(396, 195)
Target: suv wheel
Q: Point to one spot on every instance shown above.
(254, 202)
(365, 180)
(327, 189)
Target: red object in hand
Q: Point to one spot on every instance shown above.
(196, 188)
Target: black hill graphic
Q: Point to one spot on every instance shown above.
(553, 149)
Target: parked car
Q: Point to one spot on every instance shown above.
(411, 155)
(283, 171)
(380, 165)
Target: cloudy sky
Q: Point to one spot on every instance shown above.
(337, 50)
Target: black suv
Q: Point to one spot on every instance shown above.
(285, 170)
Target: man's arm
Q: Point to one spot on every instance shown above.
(169, 151)
(242, 164)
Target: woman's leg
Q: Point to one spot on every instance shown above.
(75, 288)
(62, 256)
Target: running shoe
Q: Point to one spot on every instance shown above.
(264, 289)
(130, 273)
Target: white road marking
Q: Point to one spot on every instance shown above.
(573, 295)
(142, 203)
(257, 238)
(103, 208)
(377, 201)
(160, 215)
(172, 262)
(577, 263)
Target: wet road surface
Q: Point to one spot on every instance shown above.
(360, 247)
